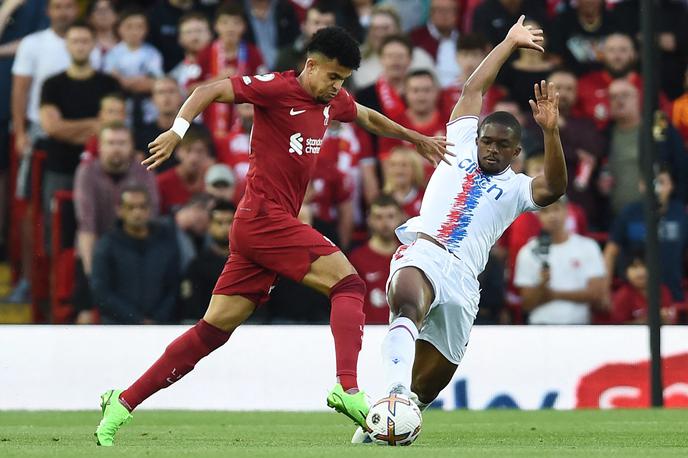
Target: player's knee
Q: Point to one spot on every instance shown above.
(403, 302)
(351, 284)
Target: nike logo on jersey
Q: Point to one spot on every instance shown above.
(296, 112)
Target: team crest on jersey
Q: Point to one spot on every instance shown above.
(326, 115)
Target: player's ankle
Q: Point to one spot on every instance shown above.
(348, 383)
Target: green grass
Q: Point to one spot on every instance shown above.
(498, 433)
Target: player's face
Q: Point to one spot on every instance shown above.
(553, 217)
(115, 149)
(134, 210)
(133, 30)
(166, 96)
(112, 110)
(194, 35)
(383, 220)
(421, 94)
(220, 225)
(80, 43)
(497, 146)
(325, 77)
(62, 13)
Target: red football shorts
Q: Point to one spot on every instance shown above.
(264, 247)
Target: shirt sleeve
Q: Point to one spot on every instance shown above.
(462, 132)
(526, 194)
(49, 92)
(84, 199)
(25, 59)
(527, 269)
(260, 90)
(345, 110)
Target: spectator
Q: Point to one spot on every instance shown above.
(164, 19)
(293, 56)
(413, 13)
(177, 185)
(492, 306)
(561, 276)
(628, 235)
(199, 281)
(219, 183)
(470, 51)
(135, 266)
(404, 179)
(112, 109)
(233, 149)
(679, 113)
(579, 34)
(384, 21)
(194, 37)
(624, 150)
(167, 99)
(422, 115)
(273, 24)
(102, 17)
(227, 56)
(371, 260)
(629, 303)
(531, 140)
(355, 16)
(438, 38)
(97, 188)
(69, 105)
(492, 18)
(190, 225)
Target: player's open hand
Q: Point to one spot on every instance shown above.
(434, 149)
(524, 36)
(546, 106)
(161, 149)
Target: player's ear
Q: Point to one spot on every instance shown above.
(517, 150)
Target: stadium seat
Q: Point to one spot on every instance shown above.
(62, 262)
(40, 290)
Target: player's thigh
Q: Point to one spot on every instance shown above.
(432, 371)
(327, 271)
(228, 312)
(410, 291)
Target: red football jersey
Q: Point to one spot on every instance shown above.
(374, 270)
(287, 134)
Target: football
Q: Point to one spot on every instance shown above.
(394, 420)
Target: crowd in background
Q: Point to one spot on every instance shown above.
(88, 84)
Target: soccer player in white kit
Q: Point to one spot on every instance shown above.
(433, 288)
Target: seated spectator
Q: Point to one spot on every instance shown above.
(628, 235)
(102, 17)
(97, 188)
(422, 115)
(679, 112)
(234, 148)
(470, 51)
(405, 179)
(561, 276)
(167, 99)
(135, 63)
(293, 56)
(219, 182)
(227, 56)
(438, 38)
(578, 35)
(69, 105)
(136, 266)
(629, 302)
(194, 36)
(384, 21)
(492, 18)
(190, 225)
(112, 109)
(371, 260)
(177, 185)
(272, 24)
(201, 275)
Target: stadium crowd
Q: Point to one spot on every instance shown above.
(94, 237)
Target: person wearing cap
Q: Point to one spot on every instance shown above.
(220, 182)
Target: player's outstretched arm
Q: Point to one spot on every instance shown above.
(471, 101)
(434, 149)
(162, 147)
(551, 186)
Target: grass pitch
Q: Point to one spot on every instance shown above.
(500, 433)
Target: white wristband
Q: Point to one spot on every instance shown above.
(180, 126)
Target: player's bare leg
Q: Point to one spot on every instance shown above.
(432, 372)
(335, 276)
(224, 315)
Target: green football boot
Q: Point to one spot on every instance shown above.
(354, 406)
(114, 416)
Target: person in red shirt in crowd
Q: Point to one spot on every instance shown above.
(113, 109)
(372, 259)
(233, 149)
(629, 302)
(438, 37)
(228, 56)
(470, 51)
(422, 114)
(619, 58)
(177, 185)
(404, 179)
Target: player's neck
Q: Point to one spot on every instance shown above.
(302, 79)
(381, 246)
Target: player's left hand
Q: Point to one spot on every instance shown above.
(546, 106)
(161, 149)
(434, 149)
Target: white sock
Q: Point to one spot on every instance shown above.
(398, 352)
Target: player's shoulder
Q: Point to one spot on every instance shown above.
(462, 128)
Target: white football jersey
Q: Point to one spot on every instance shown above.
(465, 209)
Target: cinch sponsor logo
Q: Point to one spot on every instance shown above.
(296, 144)
(481, 180)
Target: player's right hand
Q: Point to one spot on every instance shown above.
(524, 37)
(161, 149)
(434, 149)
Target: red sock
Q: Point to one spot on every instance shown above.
(179, 359)
(346, 321)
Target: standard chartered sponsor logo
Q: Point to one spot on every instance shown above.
(296, 144)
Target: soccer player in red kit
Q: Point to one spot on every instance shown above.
(291, 116)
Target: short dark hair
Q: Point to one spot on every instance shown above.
(564, 70)
(196, 134)
(385, 200)
(193, 16)
(420, 72)
(222, 205)
(505, 119)
(230, 9)
(129, 12)
(81, 24)
(471, 42)
(323, 7)
(134, 188)
(397, 38)
(336, 43)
